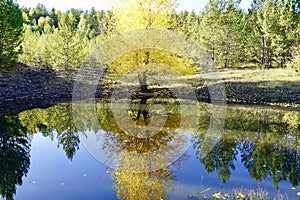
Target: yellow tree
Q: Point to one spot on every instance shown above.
(147, 14)
(140, 14)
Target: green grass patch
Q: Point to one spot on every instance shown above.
(257, 75)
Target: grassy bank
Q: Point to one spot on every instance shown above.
(273, 86)
(255, 75)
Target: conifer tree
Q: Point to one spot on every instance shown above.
(11, 32)
(31, 46)
(67, 47)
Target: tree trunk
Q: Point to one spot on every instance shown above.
(262, 59)
(142, 109)
(143, 82)
(213, 55)
(143, 77)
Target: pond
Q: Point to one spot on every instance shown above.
(46, 154)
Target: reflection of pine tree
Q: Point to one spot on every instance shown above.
(56, 120)
(69, 138)
(70, 142)
(14, 155)
(266, 158)
(221, 158)
(261, 137)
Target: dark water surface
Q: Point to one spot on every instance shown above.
(43, 155)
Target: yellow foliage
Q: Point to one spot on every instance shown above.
(143, 57)
(25, 17)
(31, 12)
(148, 185)
(140, 14)
(292, 119)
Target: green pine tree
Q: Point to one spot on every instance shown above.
(31, 47)
(67, 46)
(209, 29)
(11, 31)
(220, 32)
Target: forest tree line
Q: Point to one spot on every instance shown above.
(267, 35)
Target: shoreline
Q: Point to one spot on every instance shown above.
(25, 87)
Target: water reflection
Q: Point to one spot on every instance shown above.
(147, 185)
(54, 121)
(14, 155)
(265, 138)
(138, 172)
(151, 150)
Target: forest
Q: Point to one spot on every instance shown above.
(265, 36)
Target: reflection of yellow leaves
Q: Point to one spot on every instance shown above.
(218, 195)
(292, 119)
(240, 196)
(148, 185)
(227, 195)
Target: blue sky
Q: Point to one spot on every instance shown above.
(64, 5)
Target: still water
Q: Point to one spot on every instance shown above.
(44, 155)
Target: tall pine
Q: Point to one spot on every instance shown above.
(67, 46)
(11, 31)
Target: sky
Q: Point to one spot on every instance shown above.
(63, 5)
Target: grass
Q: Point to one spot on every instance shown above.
(255, 75)
(248, 86)
(244, 76)
(253, 86)
(247, 75)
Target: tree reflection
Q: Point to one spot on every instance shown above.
(267, 140)
(14, 155)
(56, 120)
(130, 143)
(147, 185)
(263, 159)
(221, 158)
(134, 154)
(68, 136)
